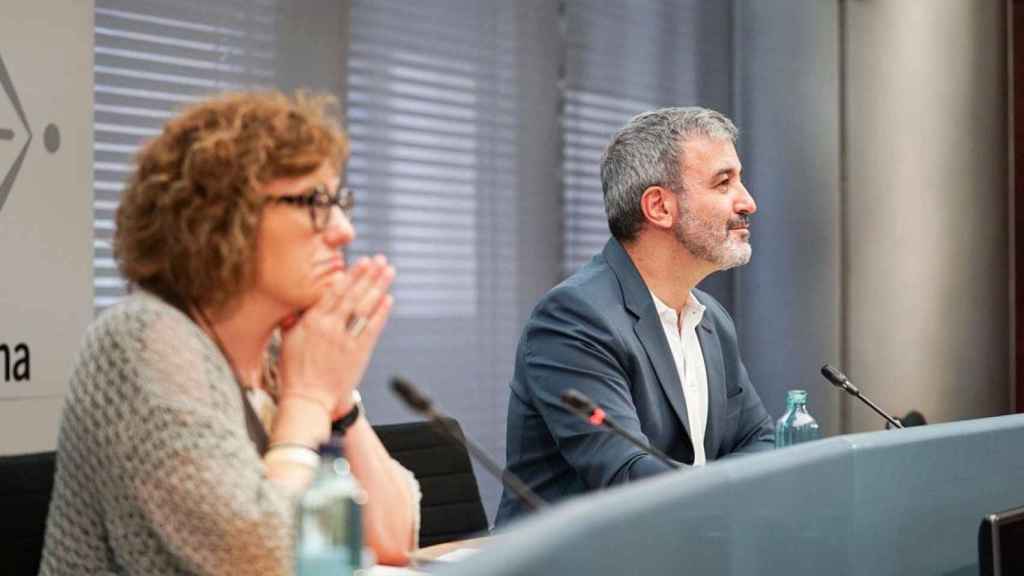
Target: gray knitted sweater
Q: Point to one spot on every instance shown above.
(155, 470)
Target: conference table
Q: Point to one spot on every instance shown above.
(458, 548)
(899, 502)
(432, 558)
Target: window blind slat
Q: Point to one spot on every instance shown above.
(433, 112)
(151, 58)
(244, 15)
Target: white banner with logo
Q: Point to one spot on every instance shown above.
(46, 96)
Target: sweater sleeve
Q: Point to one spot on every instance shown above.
(187, 484)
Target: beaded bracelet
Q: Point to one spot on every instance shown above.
(293, 453)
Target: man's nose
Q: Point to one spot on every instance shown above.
(746, 203)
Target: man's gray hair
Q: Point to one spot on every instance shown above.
(647, 152)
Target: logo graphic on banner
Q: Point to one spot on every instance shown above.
(51, 135)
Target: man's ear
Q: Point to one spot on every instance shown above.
(660, 206)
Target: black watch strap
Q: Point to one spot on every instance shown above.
(341, 425)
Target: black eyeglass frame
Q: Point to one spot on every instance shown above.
(319, 202)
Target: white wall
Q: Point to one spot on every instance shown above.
(927, 273)
(875, 142)
(46, 219)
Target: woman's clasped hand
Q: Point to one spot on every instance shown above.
(326, 349)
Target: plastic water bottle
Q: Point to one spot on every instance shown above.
(329, 523)
(796, 425)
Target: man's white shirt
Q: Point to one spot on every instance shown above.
(689, 359)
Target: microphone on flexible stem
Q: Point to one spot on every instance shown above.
(839, 380)
(912, 418)
(422, 405)
(584, 407)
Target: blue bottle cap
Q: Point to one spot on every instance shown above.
(796, 397)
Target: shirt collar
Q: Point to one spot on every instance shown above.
(693, 311)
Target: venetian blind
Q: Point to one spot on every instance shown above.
(432, 116)
(622, 58)
(151, 58)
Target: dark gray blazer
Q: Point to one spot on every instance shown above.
(599, 332)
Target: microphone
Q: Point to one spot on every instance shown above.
(422, 405)
(912, 418)
(584, 407)
(839, 380)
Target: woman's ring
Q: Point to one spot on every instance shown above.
(356, 325)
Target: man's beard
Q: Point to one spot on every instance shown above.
(712, 241)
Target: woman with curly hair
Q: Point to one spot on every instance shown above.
(196, 404)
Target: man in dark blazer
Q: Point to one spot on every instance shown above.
(631, 331)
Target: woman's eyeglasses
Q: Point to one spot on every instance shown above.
(320, 201)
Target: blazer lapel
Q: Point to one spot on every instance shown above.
(637, 299)
(652, 336)
(715, 367)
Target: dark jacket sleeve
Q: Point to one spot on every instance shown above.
(569, 344)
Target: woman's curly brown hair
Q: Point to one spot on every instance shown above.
(186, 226)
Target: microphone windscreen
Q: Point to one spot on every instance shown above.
(913, 418)
(410, 394)
(577, 401)
(833, 375)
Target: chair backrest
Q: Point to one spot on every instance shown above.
(451, 507)
(26, 481)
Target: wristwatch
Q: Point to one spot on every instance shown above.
(341, 425)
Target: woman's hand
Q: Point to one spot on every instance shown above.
(324, 354)
(326, 351)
